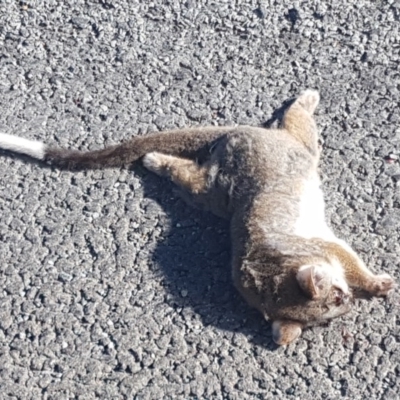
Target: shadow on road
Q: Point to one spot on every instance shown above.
(195, 259)
(277, 115)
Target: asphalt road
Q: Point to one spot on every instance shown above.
(113, 288)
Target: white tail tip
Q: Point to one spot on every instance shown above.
(20, 145)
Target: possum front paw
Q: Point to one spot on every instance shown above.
(381, 285)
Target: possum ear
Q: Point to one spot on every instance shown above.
(314, 280)
(285, 332)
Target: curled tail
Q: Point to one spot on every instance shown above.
(186, 142)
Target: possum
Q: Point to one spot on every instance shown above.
(286, 260)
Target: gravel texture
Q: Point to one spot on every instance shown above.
(113, 288)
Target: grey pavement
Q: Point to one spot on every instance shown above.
(113, 288)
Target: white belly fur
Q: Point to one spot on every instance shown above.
(311, 221)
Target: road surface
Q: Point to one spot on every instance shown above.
(113, 288)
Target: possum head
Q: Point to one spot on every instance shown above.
(301, 295)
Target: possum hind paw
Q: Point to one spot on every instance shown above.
(309, 100)
(153, 162)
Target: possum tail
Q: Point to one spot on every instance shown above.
(193, 142)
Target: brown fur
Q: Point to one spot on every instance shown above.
(185, 143)
(186, 173)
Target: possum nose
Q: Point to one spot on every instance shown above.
(342, 298)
